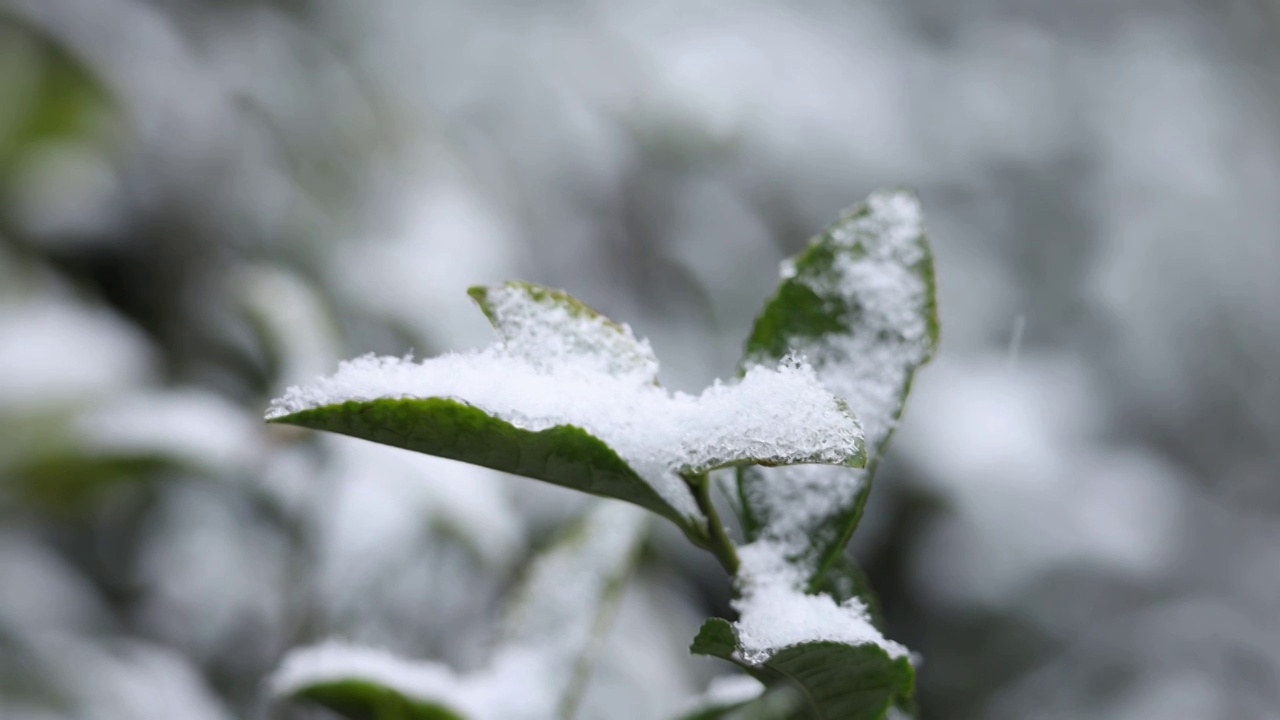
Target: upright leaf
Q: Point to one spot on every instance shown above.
(545, 646)
(859, 305)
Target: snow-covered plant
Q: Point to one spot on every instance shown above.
(569, 397)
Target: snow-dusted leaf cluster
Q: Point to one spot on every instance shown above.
(557, 363)
(833, 353)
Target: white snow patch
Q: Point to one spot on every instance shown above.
(553, 367)
(334, 662)
(775, 613)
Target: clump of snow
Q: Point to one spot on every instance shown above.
(559, 327)
(544, 640)
(879, 248)
(556, 365)
(775, 613)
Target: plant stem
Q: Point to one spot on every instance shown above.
(718, 541)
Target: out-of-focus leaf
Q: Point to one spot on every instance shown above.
(63, 103)
(733, 697)
(73, 482)
(366, 700)
(859, 305)
(545, 648)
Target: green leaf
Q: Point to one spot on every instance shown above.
(859, 304)
(365, 700)
(563, 455)
(835, 681)
(56, 97)
(716, 639)
(538, 321)
(844, 682)
(72, 483)
(844, 580)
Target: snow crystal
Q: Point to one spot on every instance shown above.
(775, 613)
(545, 636)
(555, 366)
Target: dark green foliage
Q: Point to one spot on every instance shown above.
(563, 455)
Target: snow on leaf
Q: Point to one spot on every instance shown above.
(537, 668)
(859, 305)
(542, 325)
(569, 397)
(774, 613)
(829, 649)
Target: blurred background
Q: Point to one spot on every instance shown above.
(203, 202)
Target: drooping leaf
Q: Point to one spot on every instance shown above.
(843, 682)
(569, 397)
(834, 680)
(546, 643)
(563, 455)
(859, 305)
